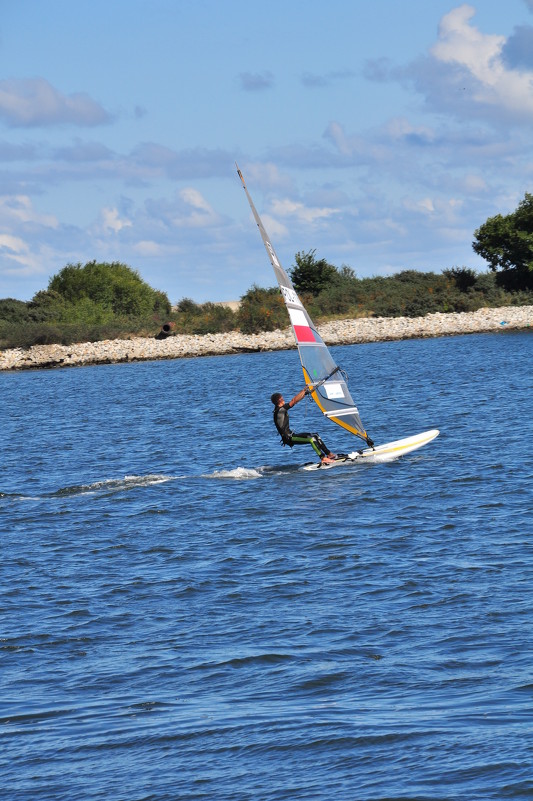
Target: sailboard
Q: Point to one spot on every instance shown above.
(379, 453)
(326, 381)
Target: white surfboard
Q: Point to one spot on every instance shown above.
(381, 453)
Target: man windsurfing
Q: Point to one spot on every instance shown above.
(288, 437)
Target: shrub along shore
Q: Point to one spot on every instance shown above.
(339, 332)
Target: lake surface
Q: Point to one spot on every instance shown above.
(186, 615)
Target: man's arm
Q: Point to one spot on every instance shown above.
(297, 398)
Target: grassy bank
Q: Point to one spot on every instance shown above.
(409, 293)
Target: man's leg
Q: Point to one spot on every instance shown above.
(322, 445)
(316, 442)
(306, 439)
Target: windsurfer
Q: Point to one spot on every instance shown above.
(288, 437)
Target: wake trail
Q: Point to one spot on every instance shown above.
(102, 487)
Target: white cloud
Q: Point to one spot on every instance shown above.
(194, 198)
(193, 211)
(437, 211)
(266, 176)
(470, 74)
(33, 102)
(24, 231)
(111, 220)
(18, 209)
(345, 145)
(302, 213)
(355, 149)
(461, 43)
(471, 61)
(185, 219)
(423, 206)
(18, 255)
(400, 128)
(149, 248)
(12, 244)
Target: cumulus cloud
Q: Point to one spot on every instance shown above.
(302, 213)
(469, 61)
(267, 176)
(198, 211)
(446, 208)
(256, 81)
(17, 257)
(19, 209)
(355, 148)
(111, 221)
(158, 226)
(471, 74)
(401, 129)
(187, 209)
(33, 102)
(463, 44)
(20, 256)
(436, 157)
(12, 245)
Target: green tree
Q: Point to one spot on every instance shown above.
(506, 242)
(462, 277)
(311, 274)
(262, 310)
(13, 311)
(187, 306)
(47, 305)
(114, 287)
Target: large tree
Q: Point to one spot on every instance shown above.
(311, 274)
(506, 243)
(111, 286)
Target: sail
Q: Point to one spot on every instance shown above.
(322, 375)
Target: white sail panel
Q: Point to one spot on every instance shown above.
(333, 390)
(297, 317)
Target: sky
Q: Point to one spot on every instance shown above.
(379, 134)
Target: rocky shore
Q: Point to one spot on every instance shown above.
(339, 332)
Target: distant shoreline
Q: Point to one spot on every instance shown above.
(339, 332)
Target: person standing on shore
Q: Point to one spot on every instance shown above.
(288, 437)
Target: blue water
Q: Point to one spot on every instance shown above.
(186, 615)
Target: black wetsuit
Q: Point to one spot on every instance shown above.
(281, 421)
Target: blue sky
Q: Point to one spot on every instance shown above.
(379, 134)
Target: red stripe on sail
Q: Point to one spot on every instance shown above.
(304, 333)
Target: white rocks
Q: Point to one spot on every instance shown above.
(373, 329)
(369, 329)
